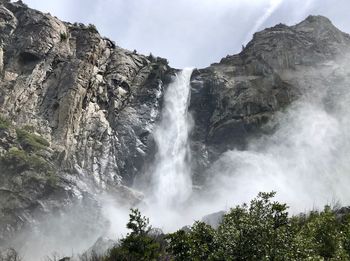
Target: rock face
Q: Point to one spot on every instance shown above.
(77, 111)
(232, 99)
(94, 103)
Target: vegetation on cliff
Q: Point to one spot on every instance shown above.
(26, 149)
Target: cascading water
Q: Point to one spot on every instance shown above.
(171, 178)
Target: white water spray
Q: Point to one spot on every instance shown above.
(171, 178)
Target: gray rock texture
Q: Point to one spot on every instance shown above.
(232, 99)
(92, 101)
(77, 111)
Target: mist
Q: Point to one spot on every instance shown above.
(305, 159)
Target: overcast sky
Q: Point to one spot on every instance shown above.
(190, 32)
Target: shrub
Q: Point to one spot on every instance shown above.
(180, 245)
(16, 159)
(31, 142)
(322, 235)
(92, 28)
(28, 128)
(259, 231)
(196, 244)
(4, 123)
(19, 160)
(63, 36)
(345, 228)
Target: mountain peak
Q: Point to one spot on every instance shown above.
(317, 19)
(322, 29)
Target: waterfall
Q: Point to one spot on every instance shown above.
(171, 178)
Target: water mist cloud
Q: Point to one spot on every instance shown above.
(306, 160)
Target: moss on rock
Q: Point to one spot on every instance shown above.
(30, 141)
(4, 123)
(18, 160)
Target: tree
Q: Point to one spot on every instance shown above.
(261, 230)
(258, 232)
(137, 245)
(322, 236)
(179, 245)
(196, 244)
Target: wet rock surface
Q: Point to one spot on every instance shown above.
(92, 106)
(233, 99)
(93, 102)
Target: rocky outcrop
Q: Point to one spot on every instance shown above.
(232, 99)
(93, 102)
(77, 111)
(214, 219)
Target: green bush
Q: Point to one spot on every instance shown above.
(31, 142)
(345, 229)
(264, 225)
(28, 128)
(16, 159)
(4, 123)
(196, 244)
(92, 28)
(322, 236)
(63, 36)
(19, 160)
(180, 245)
(261, 230)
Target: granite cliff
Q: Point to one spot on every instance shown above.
(77, 111)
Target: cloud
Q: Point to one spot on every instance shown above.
(189, 32)
(273, 5)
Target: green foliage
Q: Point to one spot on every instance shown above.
(258, 232)
(261, 230)
(137, 245)
(63, 36)
(138, 224)
(27, 153)
(322, 236)
(196, 244)
(28, 128)
(92, 28)
(180, 245)
(31, 142)
(345, 229)
(4, 123)
(18, 160)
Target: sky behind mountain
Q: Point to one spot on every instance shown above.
(190, 32)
